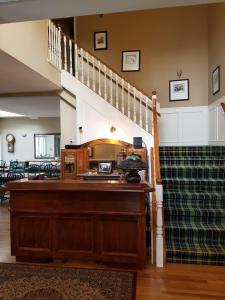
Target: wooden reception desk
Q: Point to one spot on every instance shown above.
(63, 219)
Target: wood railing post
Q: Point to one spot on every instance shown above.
(156, 140)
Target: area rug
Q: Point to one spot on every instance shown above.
(25, 282)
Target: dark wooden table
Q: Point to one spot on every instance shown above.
(62, 219)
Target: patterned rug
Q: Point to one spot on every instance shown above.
(194, 203)
(25, 282)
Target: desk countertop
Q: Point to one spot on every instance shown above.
(77, 185)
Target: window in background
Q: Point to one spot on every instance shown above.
(47, 145)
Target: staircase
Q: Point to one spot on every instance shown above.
(66, 54)
(194, 204)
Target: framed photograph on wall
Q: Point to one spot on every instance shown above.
(131, 61)
(100, 40)
(216, 81)
(179, 90)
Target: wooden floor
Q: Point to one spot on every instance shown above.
(174, 282)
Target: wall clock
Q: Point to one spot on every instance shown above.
(11, 140)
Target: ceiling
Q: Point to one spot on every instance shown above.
(15, 77)
(23, 10)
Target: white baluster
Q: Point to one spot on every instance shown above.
(159, 225)
(111, 87)
(56, 47)
(49, 41)
(65, 53)
(135, 117)
(117, 93)
(88, 75)
(146, 113)
(59, 48)
(52, 42)
(105, 82)
(55, 44)
(128, 100)
(140, 96)
(122, 92)
(82, 64)
(99, 78)
(93, 72)
(76, 61)
(70, 58)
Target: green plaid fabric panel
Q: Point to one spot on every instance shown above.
(193, 151)
(194, 203)
(198, 185)
(193, 172)
(196, 254)
(195, 216)
(193, 199)
(195, 233)
(193, 161)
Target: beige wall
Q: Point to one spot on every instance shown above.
(24, 145)
(169, 39)
(28, 43)
(217, 47)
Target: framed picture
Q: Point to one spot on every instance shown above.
(100, 40)
(179, 90)
(131, 61)
(216, 81)
(104, 167)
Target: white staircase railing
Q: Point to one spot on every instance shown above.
(64, 53)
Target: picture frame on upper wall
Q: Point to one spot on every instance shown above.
(131, 61)
(216, 80)
(100, 40)
(179, 90)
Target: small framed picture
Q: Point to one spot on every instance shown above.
(100, 40)
(131, 61)
(104, 167)
(216, 81)
(179, 90)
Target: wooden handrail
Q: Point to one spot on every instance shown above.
(102, 62)
(156, 141)
(223, 106)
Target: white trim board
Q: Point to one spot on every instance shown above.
(183, 126)
(217, 123)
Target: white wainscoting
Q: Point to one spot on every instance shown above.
(183, 126)
(217, 123)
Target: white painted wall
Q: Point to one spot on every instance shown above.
(217, 123)
(24, 146)
(96, 116)
(68, 124)
(183, 126)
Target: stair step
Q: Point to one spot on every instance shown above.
(193, 199)
(196, 254)
(195, 185)
(192, 161)
(193, 172)
(194, 216)
(195, 233)
(192, 151)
